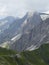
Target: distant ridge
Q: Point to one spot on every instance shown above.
(43, 14)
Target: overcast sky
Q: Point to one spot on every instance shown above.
(20, 7)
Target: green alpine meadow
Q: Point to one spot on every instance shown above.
(39, 56)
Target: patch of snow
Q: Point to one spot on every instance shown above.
(43, 38)
(24, 23)
(16, 37)
(44, 17)
(31, 48)
(5, 44)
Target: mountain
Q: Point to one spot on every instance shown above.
(32, 20)
(18, 25)
(26, 33)
(4, 23)
(23, 41)
(12, 30)
(39, 56)
(34, 32)
(29, 31)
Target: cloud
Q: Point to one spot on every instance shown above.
(39, 5)
(3, 11)
(20, 7)
(14, 7)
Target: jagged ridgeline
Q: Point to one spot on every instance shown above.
(39, 56)
(26, 33)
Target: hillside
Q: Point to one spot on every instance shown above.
(26, 33)
(34, 32)
(36, 57)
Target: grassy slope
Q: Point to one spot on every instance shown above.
(36, 57)
(6, 57)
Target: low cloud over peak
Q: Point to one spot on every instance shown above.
(20, 7)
